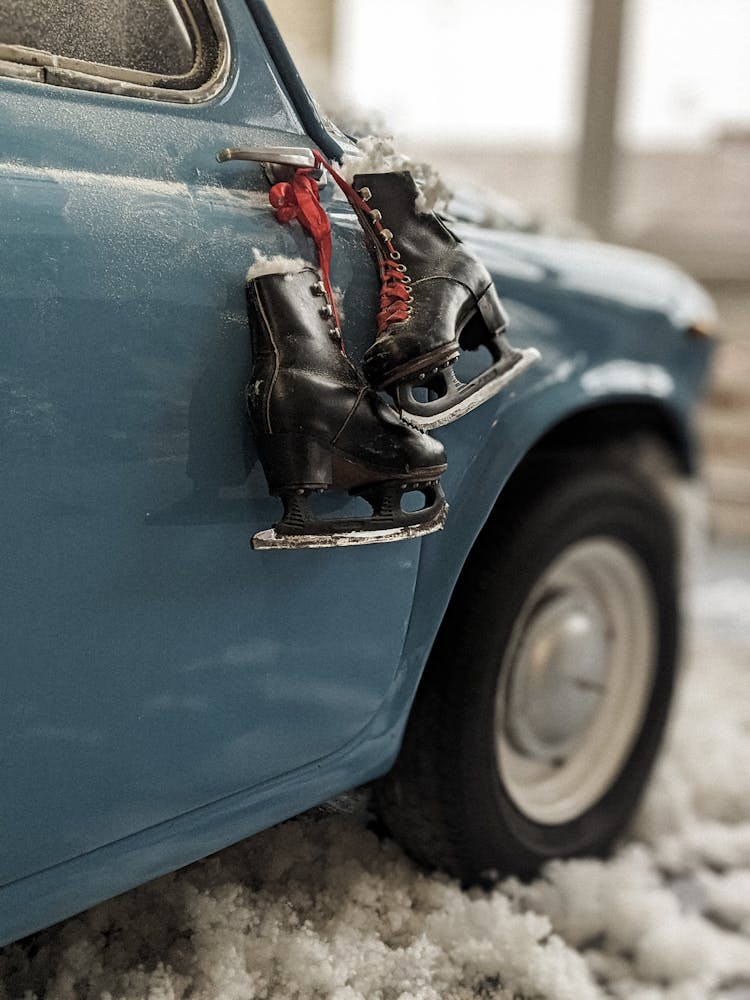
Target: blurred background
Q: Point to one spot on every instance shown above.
(629, 118)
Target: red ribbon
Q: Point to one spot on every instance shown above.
(299, 199)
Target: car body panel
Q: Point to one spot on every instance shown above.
(176, 651)
(167, 691)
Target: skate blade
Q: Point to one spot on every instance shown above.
(472, 394)
(268, 539)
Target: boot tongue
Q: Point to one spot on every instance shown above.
(419, 237)
(391, 193)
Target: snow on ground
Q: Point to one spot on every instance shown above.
(321, 908)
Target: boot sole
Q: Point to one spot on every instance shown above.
(423, 367)
(295, 461)
(483, 324)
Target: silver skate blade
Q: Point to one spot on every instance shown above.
(268, 539)
(472, 398)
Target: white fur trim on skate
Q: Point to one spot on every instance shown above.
(268, 539)
(377, 155)
(276, 265)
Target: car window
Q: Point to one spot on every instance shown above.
(157, 45)
(138, 34)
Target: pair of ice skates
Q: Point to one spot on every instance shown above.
(320, 424)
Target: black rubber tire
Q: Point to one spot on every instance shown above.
(444, 799)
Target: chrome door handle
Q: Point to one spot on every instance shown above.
(291, 156)
(279, 162)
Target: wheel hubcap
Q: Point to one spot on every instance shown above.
(575, 680)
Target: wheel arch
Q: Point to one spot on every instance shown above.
(641, 431)
(447, 757)
(634, 433)
(613, 426)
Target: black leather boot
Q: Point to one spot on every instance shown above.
(436, 298)
(318, 425)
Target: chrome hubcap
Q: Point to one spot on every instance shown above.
(575, 680)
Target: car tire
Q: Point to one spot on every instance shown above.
(542, 707)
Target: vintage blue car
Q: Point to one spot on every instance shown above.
(166, 690)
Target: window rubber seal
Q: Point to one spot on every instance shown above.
(298, 94)
(21, 62)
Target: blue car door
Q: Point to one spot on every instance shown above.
(151, 661)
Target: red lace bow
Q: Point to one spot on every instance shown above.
(300, 199)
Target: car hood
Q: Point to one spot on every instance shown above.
(635, 279)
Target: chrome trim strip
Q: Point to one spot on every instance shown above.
(20, 71)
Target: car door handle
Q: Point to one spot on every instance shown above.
(278, 161)
(290, 156)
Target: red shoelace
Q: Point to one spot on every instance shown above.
(300, 199)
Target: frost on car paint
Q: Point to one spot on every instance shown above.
(166, 691)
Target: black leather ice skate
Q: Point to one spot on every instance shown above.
(436, 299)
(318, 425)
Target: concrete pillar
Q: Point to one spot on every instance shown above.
(309, 30)
(598, 151)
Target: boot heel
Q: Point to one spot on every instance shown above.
(491, 310)
(295, 462)
(486, 324)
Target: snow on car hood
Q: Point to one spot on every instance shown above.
(633, 278)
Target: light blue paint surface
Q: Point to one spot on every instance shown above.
(165, 690)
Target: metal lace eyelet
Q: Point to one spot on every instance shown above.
(318, 288)
(375, 215)
(386, 236)
(402, 269)
(327, 310)
(365, 193)
(395, 255)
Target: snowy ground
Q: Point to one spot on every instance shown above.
(320, 908)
